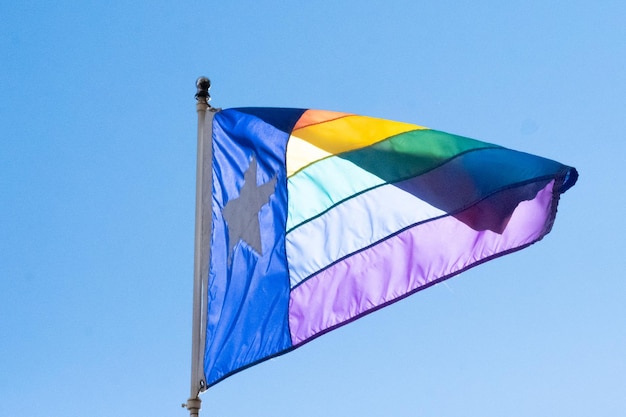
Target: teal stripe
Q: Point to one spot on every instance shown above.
(329, 181)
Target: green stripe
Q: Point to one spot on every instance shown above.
(329, 181)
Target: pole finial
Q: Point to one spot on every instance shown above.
(203, 84)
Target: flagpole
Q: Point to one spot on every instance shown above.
(199, 287)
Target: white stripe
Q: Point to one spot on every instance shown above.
(351, 226)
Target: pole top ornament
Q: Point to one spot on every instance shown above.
(203, 84)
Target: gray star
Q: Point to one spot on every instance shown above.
(242, 213)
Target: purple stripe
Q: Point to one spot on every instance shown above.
(409, 261)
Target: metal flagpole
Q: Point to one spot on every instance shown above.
(204, 186)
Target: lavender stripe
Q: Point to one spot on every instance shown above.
(404, 264)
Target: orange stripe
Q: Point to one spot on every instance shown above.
(312, 117)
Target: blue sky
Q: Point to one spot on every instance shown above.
(97, 188)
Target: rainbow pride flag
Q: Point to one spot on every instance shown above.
(319, 218)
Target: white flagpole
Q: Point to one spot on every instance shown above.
(204, 187)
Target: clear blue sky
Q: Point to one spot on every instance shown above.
(97, 188)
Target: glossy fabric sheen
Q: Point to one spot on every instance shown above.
(364, 212)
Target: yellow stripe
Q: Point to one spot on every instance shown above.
(341, 135)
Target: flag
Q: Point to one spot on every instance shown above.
(320, 217)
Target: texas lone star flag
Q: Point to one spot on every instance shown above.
(319, 218)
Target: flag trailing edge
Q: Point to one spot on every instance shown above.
(320, 217)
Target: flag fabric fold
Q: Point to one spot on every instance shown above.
(321, 217)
